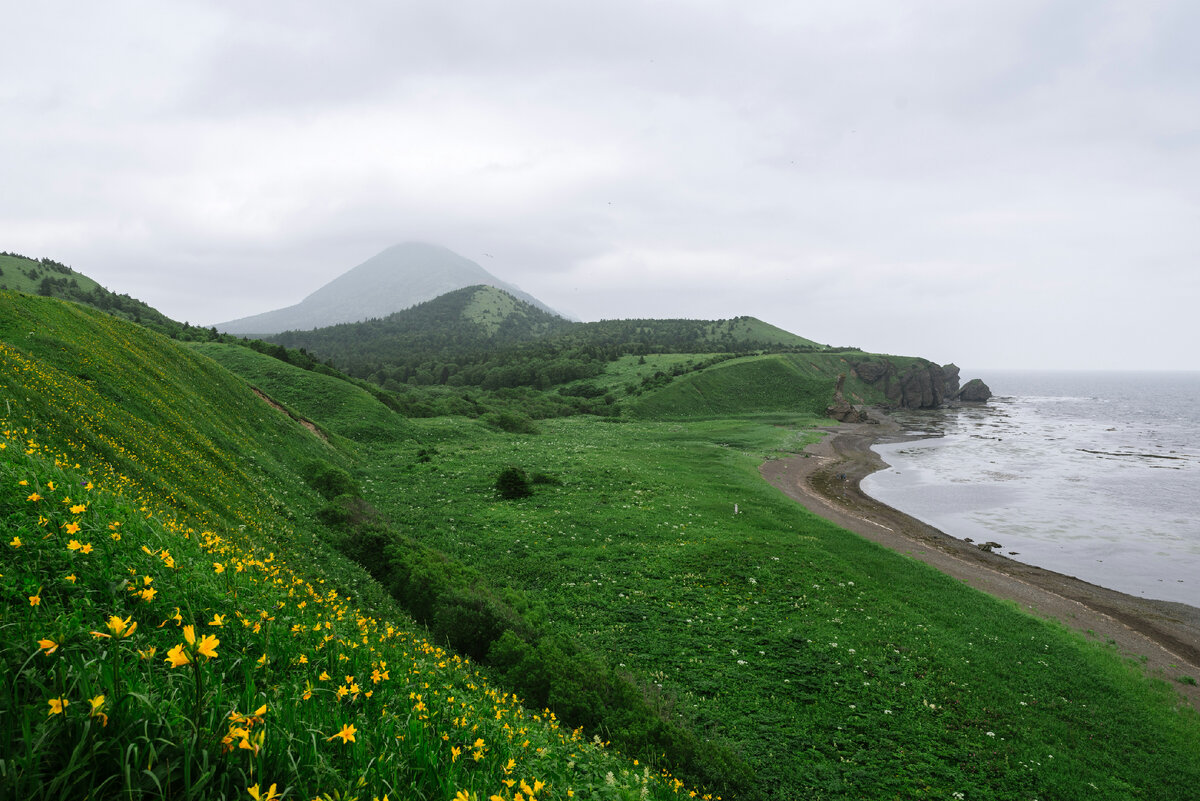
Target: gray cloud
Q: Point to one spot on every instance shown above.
(1003, 184)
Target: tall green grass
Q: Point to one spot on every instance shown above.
(172, 628)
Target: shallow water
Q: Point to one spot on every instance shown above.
(1095, 475)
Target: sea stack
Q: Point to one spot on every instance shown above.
(974, 391)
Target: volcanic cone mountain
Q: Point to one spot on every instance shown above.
(396, 279)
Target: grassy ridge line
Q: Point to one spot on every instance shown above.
(55, 417)
(343, 409)
(754, 384)
(52, 279)
(180, 428)
(801, 383)
(21, 274)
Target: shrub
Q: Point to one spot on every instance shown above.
(329, 480)
(512, 483)
(512, 422)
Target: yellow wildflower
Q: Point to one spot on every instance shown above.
(72, 527)
(258, 795)
(48, 645)
(178, 657)
(36, 599)
(16, 542)
(57, 705)
(97, 709)
(78, 509)
(347, 734)
(34, 497)
(206, 646)
(218, 620)
(121, 628)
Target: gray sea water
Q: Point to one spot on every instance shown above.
(1091, 474)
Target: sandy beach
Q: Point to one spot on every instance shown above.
(825, 480)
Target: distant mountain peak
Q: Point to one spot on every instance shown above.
(398, 278)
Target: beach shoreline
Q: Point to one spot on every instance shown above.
(826, 477)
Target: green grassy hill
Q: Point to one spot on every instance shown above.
(448, 329)
(344, 409)
(743, 386)
(174, 622)
(800, 383)
(51, 279)
(648, 587)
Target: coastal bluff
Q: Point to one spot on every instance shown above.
(919, 385)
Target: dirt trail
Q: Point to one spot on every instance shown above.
(309, 424)
(825, 480)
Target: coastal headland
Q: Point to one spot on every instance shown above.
(826, 478)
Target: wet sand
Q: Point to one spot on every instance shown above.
(1164, 634)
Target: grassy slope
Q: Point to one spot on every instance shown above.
(25, 275)
(128, 464)
(837, 668)
(751, 329)
(343, 409)
(753, 384)
(796, 382)
(489, 307)
(840, 669)
(165, 413)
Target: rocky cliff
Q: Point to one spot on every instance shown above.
(918, 385)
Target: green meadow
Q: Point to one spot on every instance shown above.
(671, 625)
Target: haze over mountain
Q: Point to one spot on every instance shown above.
(396, 279)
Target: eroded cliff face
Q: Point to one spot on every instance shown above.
(922, 385)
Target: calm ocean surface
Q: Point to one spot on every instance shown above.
(1092, 474)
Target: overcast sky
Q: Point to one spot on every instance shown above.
(997, 184)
